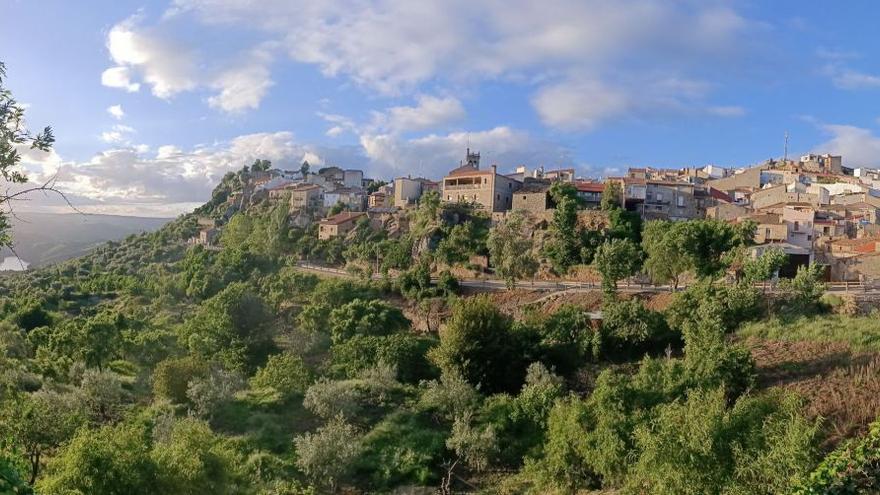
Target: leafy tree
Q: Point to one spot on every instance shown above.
(765, 266)
(478, 343)
(616, 259)
(207, 394)
(360, 317)
(510, 249)
(190, 459)
(112, 460)
(103, 396)
(564, 463)
(326, 455)
(706, 242)
(285, 373)
(39, 423)
(612, 196)
(403, 351)
(231, 327)
(304, 168)
(760, 446)
(629, 324)
(31, 316)
(172, 377)
(563, 248)
(802, 294)
(663, 247)
(13, 134)
(449, 397)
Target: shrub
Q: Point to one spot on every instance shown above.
(360, 317)
(404, 448)
(326, 456)
(285, 373)
(628, 324)
(478, 343)
(407, 353)
(853, 468)
(172, 377)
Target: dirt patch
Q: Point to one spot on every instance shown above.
(839, 385)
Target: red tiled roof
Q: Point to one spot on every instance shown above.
(720, 195)
(467, 170)
(589, 186)
(343, 217)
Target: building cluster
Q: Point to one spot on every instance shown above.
(812, 208)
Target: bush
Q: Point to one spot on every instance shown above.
(359, 398)
(404, 448)
(478, 343)
(360, 317)
(853, 468)
(450, 397)
(628, 325)
(760, 446)
(285, 373)
(407, 353)
(326, 456)
(172, 377)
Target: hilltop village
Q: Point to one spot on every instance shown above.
(813, 209)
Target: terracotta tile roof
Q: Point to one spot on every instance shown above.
(467, 170)
(584, 186)
(343, 217)
(720, 195)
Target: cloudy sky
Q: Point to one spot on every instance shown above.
(153, 101)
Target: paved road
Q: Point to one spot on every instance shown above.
(570, 286)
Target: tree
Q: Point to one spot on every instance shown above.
(663, 247)
(765, 266)
(285, 373)
(615, 260)
(261, 165)
(360, 317)
(39, 423)
(172, 377)
(304, 168)
(706, 242)
(13, 136)
(802, 294)
(611, 196)
(326, 455)
(190, 459)
(510, 249)
(478, 343)
(231, 327)
(108, 461)
(563, 248)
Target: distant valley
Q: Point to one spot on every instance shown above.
(45, 238)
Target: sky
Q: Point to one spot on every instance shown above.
(153, 101)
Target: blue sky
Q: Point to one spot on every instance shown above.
(199, 87)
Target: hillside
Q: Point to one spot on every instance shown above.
(151, 365)
(44, 238)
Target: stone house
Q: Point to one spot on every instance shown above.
(380, 199)
(487, 188)
(351, 198)
(534, 197)
(306, 197)
(339, 224)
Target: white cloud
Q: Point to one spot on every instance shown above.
(851, 79)
(580, 104)
(429, 112)
(434, 155)
(244, 86)
(395, 46)
(584, 103)
(858, 146)
(118, 134)
(116, 111)
(168, 67)
(119, 77)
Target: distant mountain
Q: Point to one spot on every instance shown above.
(45, 238)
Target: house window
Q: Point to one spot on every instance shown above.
(497, 197)
(524, 198)
(680, 200)
(766, 233)
(485, 180)
(448, 197)
(659, 196)
(797, 226)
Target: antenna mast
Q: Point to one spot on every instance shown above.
(785, 149)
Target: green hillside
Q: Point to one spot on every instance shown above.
(150, 365)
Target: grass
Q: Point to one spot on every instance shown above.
(861, 333)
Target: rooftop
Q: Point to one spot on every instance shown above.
(340, 218)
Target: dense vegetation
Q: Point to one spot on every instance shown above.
(151, 366)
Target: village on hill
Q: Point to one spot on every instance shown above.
(814, 209)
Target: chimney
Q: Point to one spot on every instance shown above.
(494, 169)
